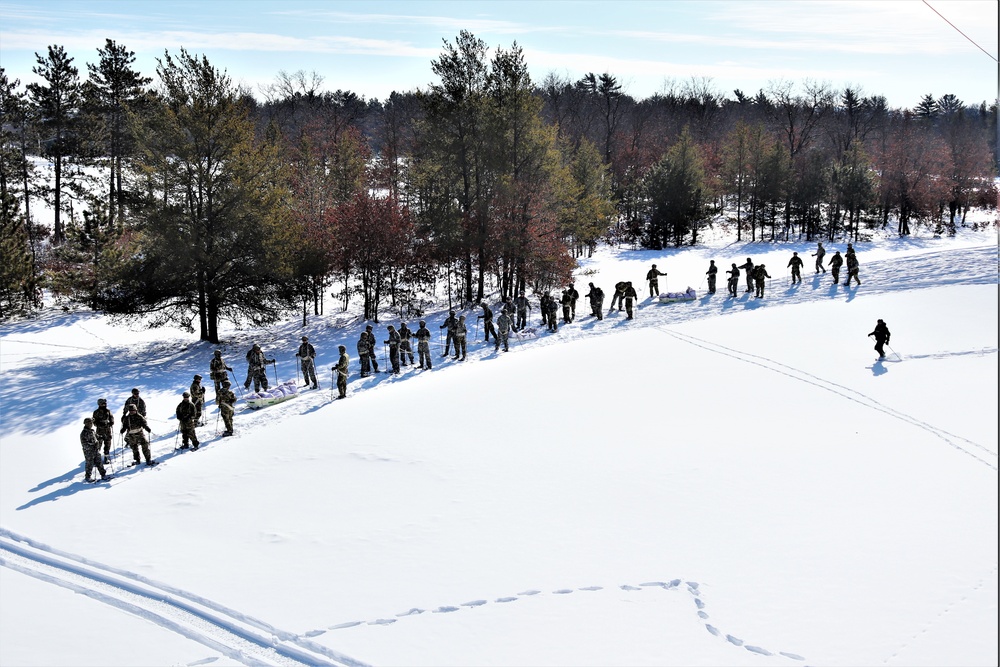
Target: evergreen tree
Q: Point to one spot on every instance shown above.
(214, 243)
(57, 101)
(112, 88)
(675, 194)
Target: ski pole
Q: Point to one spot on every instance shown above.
(894, 351)
(297, 378)
(333, 381)
(238, 387)
(274, 367)
(176, 436)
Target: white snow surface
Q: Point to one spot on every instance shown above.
(719, 482)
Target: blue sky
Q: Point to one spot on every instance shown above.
(897, 48)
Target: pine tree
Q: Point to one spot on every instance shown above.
(214, 240)
(57, 101)
(112, 88)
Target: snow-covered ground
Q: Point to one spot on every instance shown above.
(720, 482)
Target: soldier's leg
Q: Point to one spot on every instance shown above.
(341, 385)
(88, 462)
(374, 360)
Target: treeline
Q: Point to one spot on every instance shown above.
(192, 199)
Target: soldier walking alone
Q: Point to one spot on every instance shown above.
(307, 354)
(186, 422)
(713, 270)
(882, 336)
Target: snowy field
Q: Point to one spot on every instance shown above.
(719, 482)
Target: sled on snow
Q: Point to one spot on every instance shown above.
(673, 297)
(274, 395)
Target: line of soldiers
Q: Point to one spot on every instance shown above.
(757, 274)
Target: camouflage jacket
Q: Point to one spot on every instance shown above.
(140, 405)
(103, 418)
(88, 439)
(133, 423)
(306, 351)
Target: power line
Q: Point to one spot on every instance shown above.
(960, 32)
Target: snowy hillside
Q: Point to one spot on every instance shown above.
(718, 482)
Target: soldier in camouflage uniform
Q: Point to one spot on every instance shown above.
(630, 297)
(820, 252)
(363, 356)
(487, 318)
(567, 306)
(449, 324)
(405, 348)
(307, 353)
(835, 263)
(133, 424)
(653, 276)
(186, 421)
(257, 363)
(91, 450)
(550, 310)
(393, 344)
(596, 296)
(227, 406)
(618, 296)
(104, 421)
(712, 272)
(796, 263)
(759, 274)
(371, 347)
(198, 398)
(748, 267)
(140, 405)
(852, 265)
(218, 369)
(342, 369)
(543, 306)
(733, 283)
(461, 332)
(574, 296)
(424, 345)
(504, 325)
(523, 306)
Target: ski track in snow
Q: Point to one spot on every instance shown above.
(692, 587)
(237, 636)
(980, 453)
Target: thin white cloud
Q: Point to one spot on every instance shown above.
(229, 41)
(450, 23)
